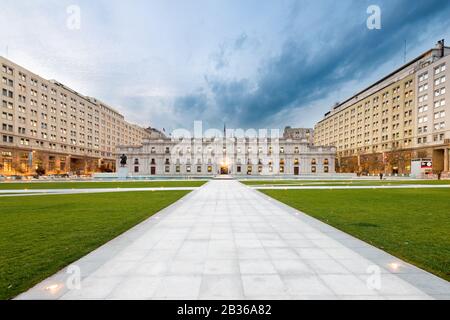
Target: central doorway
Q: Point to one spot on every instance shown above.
(224, 170)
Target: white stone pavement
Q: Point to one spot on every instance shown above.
(227, 241)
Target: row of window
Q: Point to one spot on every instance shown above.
(249, 168)
(282, 162)
(111, 115)
(438, 70)
(436, 138)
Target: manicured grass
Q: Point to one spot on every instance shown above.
(40, 235)
(412, 224)
(98, 185)
(343, 182)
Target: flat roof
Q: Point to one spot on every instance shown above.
(423, 55)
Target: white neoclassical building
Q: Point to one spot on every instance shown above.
(292, 154)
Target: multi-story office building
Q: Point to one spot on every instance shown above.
(402, 117)
(289, 155)
(48, 127)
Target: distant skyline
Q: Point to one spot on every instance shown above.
(251, 64)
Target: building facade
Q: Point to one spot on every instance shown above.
(48, 127)
(402, 117)
(299, 133)
(164, 156)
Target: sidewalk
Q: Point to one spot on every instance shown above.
(227, 241)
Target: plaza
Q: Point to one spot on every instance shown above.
(228, 241)
(214, 150)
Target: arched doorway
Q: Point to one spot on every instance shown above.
(224, 170)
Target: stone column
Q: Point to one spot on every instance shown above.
(446, 159)
(68, 160)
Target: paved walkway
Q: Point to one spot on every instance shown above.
(227, 241)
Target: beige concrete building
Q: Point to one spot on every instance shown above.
(402, 117)
(49, 127)
(240, 156)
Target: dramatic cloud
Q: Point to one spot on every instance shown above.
(247, 63)
(295, 79)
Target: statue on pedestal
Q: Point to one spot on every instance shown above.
(123, 160)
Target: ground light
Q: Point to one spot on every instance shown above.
(394, 266)
(54, 288)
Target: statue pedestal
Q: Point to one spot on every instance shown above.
(122, 173)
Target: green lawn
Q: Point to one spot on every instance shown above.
(95, 185)
(333, 183)
(41, 235)
(412, 224)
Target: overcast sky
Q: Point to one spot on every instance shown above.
(249, 63)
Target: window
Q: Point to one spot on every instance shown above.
(7, 93)
(439, 81)
(440, 103)
(326, 162)
(7, 105)
(313, 162)
(423, 87)
(167, 169)
(326, 169)
(199, 169)
(239, 169)
(439, 69)
(423, 98)
(438, 115)
(423, 109)
(136, 161)
(8, 139)
(313, 169)
(136, 169)
(209, 169)
(439, 92)
(7, 70)
(439, 126)
(7, 82)
(423, 119)
(423, 76)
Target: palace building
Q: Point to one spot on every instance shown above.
(48, 127)
(398, 119)
(292, 154)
